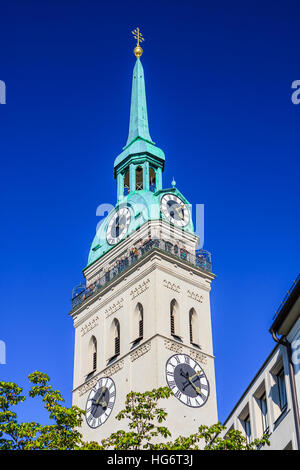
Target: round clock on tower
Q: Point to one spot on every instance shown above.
(142, 317)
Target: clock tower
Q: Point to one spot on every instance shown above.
(142, 318)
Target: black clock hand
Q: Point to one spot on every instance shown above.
(185, 375)
(190, 381)
(97, 400)
(119, 228)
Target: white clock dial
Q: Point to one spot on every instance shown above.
(100, 402)
(118, 226)
(187, 380)
(175, 210)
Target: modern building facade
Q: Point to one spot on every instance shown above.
(142, 319)
(270, 404)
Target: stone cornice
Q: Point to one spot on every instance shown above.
(116, 287)
(140, 350)
(155, 255)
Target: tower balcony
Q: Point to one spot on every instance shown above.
(200, 259)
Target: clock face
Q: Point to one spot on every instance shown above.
(118, 226)
(100, 402)
(175, 210)
(187, 380)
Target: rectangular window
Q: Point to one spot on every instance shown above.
(281, 389)
(264, 412)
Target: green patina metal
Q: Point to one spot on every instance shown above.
(138, 124)
(140, 151)
(139, 142)
(145, 207)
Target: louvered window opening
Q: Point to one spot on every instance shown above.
(172, 324)
(117, 345)
(94, 361)
(191, 331)
(141, 328)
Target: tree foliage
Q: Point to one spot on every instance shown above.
(63, 434)
(144, 418)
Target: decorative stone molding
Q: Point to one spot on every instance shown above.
(106, 373)
(89, 326)
(140, 288)
(114, 307)
(113, 368)
(86, 387)
(175, 347)
(169, 285)
(194, 296)
(140, 351)
(198, 357)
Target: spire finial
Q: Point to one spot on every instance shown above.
(138, 51)
(173, 183)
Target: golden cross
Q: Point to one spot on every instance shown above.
(138, 36)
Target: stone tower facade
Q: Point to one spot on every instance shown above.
(142, 320)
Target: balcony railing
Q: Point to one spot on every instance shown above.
(201, 259)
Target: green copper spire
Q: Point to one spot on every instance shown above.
(138, 125)
(141, 163)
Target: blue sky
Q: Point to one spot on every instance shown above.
(218, 84)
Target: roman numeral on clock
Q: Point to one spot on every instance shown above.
(93, 422)
(110, 404)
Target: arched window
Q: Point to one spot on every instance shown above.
(113, 340)
(141, 322)
(116, 337)
(92, 354)
(138, 324)
(193, 327)
(140, 319)
(152, 182)
(174, 318)
(126, 183)
(139, 178)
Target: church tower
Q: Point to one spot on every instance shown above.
(142, 320)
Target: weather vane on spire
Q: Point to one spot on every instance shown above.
(138, 51)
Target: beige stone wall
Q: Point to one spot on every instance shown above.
(153, 282)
